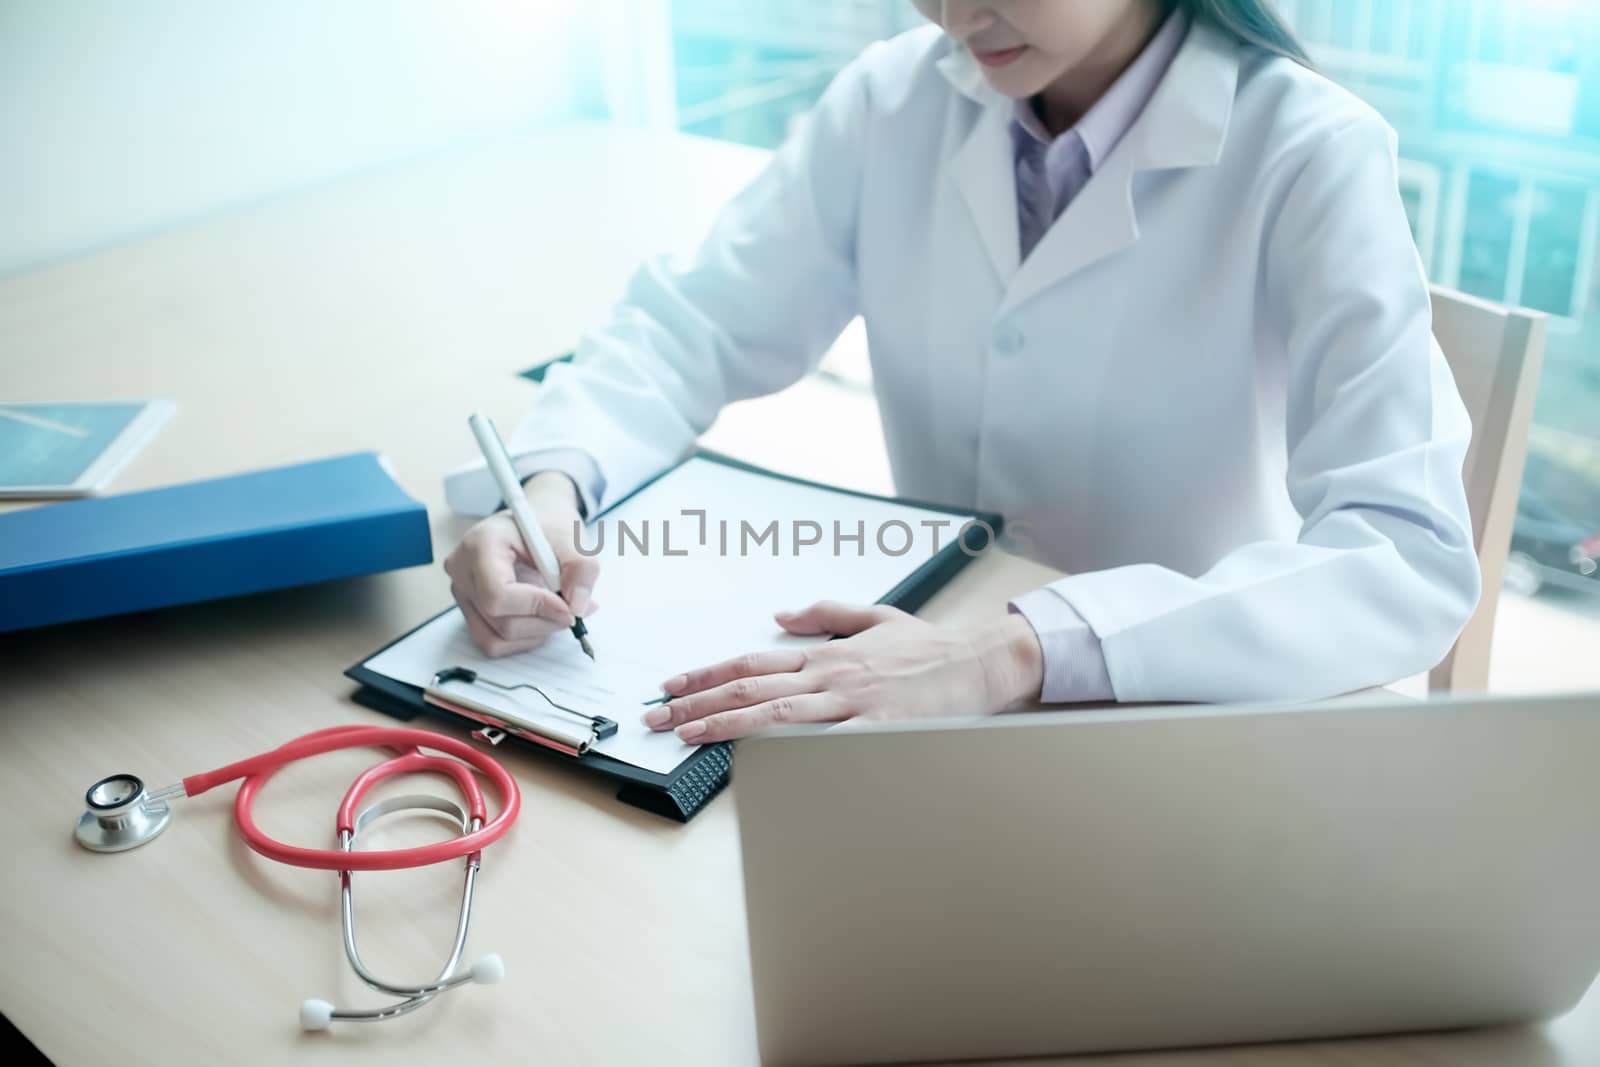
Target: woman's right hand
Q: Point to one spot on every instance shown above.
(509, 608)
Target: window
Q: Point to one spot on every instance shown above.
(1488, 234)
(1555, 253)
(747, 68)
(1419, 188)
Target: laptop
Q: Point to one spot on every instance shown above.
(1094, 881)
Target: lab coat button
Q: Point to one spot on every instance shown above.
(1008, 340)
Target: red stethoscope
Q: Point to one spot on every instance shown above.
(122, 815)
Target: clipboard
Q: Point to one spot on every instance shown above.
(686, 790)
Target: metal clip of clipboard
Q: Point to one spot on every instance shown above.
(498, 722)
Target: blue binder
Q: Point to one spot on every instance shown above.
(269, 529)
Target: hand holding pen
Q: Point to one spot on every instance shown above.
(517, 576)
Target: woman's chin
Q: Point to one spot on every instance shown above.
(1017, 84)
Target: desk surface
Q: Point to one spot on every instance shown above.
(374, 313)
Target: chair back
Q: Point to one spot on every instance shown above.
(1495, 354)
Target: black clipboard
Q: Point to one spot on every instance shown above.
(682, 793)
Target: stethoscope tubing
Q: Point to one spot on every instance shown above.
(413, 997)
(407, 743)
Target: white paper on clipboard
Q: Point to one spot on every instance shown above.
(683, 591)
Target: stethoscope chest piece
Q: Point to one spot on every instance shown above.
(121, 815)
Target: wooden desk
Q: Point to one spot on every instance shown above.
(375, 313)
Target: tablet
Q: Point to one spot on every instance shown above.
(71, 449)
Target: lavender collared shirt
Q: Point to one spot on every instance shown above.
(1050, 173)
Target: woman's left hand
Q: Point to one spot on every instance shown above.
(892, 666)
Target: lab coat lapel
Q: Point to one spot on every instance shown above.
(1099, 222)
(982, 167)
(1184, 125)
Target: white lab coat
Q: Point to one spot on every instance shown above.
(1211, 393)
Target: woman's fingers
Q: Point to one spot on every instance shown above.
(739, 693)
(832, 617)
(731, 725)
(555, 495)
(578, 575)
(506, 604)
(487, 637)
(513, 627)
(499, 592)
(750, 665)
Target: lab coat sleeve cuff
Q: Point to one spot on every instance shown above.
(1074, 664)
(469, 489)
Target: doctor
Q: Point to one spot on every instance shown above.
(1133, 276)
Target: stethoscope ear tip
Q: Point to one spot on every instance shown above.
(315, 1014)
(489, 970)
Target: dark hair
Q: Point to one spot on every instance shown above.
(1250, 21)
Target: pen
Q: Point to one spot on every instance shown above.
(544, 557)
